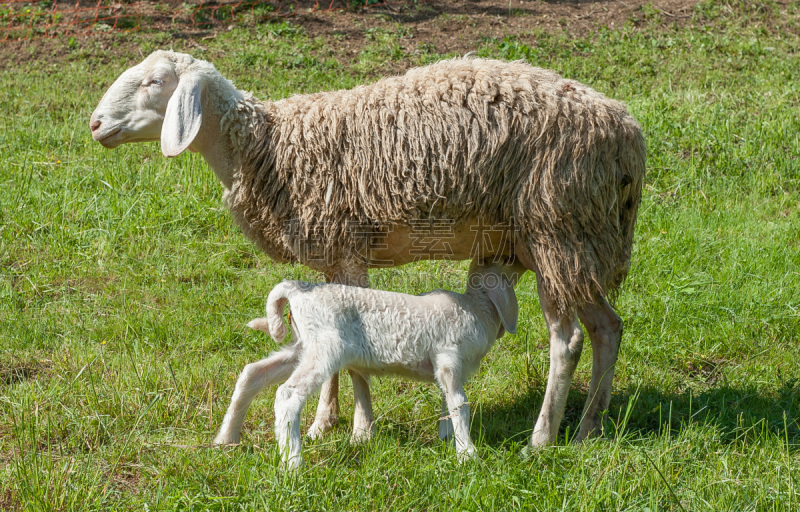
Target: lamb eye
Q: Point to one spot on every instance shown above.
(156, 81)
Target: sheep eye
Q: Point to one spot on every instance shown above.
(156, 81)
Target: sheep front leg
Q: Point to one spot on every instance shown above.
(604, 327)
(449, 378)
(566, 344)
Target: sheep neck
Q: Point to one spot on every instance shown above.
(257, 193)
(225, 122)
(216, 150)
(245, 128)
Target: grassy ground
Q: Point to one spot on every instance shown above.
(124, 290)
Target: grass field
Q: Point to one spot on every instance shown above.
(125, 289)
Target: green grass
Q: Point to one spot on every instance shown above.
(124, 291)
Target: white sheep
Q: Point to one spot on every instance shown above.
(508, 158)
(439, 335)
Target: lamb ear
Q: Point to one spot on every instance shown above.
(184, 116)
(505, 301)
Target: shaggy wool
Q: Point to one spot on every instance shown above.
(504, 142)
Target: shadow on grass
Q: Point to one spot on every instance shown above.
(723, 414)
(736, 414)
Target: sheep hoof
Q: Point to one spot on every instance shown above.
(360, 435)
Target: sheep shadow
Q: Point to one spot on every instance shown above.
(734, 412)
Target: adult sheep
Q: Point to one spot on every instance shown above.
(342, 181)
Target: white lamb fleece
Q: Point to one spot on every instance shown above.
(439, 335)
(388, 332)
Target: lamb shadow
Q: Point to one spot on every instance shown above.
(734, 412)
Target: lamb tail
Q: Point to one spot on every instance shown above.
(276, 303)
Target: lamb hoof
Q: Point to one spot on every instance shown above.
(225, 440)
(320, 426)
(318, 429)
(314, 432)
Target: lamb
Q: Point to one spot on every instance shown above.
(509, 158)
(439, 335)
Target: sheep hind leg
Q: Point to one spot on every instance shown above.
(254, 377)
(604, 327)
(289, 402)
(566, 344)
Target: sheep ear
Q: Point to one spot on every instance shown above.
(183, 117)
(505, 301)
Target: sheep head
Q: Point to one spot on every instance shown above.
(158, 99)
(497, 279)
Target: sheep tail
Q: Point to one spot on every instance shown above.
(632, 170)
(276, 303)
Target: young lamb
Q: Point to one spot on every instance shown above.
(439, 335)
(510, 158)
